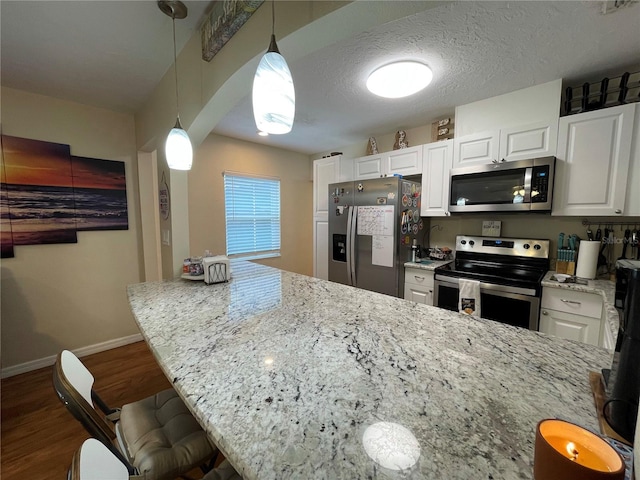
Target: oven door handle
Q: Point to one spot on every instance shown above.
(491, 287)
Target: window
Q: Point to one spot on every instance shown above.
(252, 211)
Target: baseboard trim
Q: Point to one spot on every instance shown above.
(80, 352)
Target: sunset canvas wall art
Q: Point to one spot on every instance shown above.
(6, 238)
(100, 193)
(39, 188)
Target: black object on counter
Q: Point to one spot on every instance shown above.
(623, 385)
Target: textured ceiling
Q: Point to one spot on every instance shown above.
(112, 54)
(109, 54)
(476, 50)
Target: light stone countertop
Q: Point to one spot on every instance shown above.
(286, 372)
(605, 288)
(427, 264)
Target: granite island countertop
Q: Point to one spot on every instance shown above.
(605, 288)
(286, 372)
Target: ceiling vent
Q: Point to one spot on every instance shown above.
(610, 6)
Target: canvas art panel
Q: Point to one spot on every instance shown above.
(39, 191)
(100, 193)
(6, 238)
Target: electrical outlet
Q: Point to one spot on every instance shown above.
(491, 228)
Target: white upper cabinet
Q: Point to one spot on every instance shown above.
(529, 141)
(325, 172)
(405, 161)
(477, 148)
(437, 159)
(593, 162)
(371, 166)
(632, 203)
(514, 126)
(507, 144)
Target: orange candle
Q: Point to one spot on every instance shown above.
(566, 451)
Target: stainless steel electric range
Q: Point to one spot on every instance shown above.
(510, 272)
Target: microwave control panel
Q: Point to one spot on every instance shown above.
(540, 184)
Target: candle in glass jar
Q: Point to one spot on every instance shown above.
(566, 451)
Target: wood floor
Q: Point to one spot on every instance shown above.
(38, 435)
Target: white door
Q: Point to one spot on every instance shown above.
(325, 172)
(321, 249)
(437, 159)
(406, 161)
(476, 149)
(529, 141)
(593, 162)
(371, 166)
(418, 294)
(571, 327)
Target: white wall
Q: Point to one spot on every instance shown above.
(206, 197)
(70, 295)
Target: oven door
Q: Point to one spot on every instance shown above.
(503, 303)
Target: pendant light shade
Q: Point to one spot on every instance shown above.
(177, 148)
(274, 98)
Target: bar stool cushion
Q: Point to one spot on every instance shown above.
(159, 434)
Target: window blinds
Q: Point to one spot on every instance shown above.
(252, 207)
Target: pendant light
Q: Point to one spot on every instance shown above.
(274, 98)
(178, 150)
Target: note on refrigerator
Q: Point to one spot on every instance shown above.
(382, 250)
(376, 220)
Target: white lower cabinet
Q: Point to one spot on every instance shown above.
(321, 248)
(418, 285)
(572, 315)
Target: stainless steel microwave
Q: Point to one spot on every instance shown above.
(503, 187)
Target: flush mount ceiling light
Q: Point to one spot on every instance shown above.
(399, 79)
(177, 148)
(274, 98)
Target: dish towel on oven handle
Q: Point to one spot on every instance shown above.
(469, 297)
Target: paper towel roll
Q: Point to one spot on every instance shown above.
(588, 259)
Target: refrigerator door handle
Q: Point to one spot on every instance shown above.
(352, 253)
(349, 241)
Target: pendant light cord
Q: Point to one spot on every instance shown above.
(175, 63)
(273, 17)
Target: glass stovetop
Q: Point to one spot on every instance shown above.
(494, 273)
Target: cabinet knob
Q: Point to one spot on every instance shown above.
(447, 213)
(544, 312)
(418, 277)
(618, 211)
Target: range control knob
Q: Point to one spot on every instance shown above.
(463, 242)
(472, 243)
(526, 246)
(537, 247)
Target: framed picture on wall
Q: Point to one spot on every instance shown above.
(100, 193)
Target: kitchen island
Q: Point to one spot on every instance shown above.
(286, 373)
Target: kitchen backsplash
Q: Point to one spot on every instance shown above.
(527, 226)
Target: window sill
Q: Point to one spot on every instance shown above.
(254, 256)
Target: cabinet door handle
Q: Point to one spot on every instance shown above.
(418, 277)
(618, 211)
(544, 312)
(572, 302)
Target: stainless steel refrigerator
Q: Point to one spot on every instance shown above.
(372, 227)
